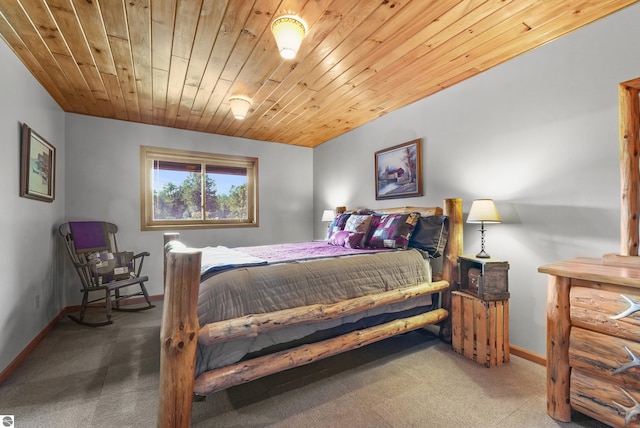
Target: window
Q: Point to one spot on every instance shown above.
(189, 190)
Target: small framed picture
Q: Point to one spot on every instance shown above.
(37, 167)
(398, 171)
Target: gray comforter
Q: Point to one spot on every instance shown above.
(268, 288)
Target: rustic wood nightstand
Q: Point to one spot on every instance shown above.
(480, 311)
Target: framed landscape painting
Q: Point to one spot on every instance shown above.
(37, 167)
(399, 171)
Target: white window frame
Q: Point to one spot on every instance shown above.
(148, 155)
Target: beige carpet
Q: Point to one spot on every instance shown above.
(108, 377)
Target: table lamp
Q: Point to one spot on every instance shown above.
(483, 211)
(328, 216)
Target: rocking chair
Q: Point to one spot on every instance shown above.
(102, 269)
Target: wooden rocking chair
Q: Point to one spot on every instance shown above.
(102, 268)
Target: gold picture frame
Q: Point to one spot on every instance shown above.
(37, 166)
(399, 171)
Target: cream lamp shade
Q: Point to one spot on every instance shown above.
(239, 106)
(288, 30)
(327, 215)
(483, 211)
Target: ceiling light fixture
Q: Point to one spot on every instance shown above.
(288, 30)
(239, 106)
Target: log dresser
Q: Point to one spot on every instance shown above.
(593, 339)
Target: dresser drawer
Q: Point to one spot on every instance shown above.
(614, 359)
(606, 311)
(597, 398)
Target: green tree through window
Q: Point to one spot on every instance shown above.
(175, 194)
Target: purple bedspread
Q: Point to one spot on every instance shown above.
(296, 251)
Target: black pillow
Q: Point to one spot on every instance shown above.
(431, 235)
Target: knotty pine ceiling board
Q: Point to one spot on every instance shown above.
(175, 63)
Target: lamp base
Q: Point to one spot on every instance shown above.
(483, 255)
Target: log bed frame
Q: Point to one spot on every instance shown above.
(180, 331)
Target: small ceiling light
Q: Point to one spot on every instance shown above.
(239, 106)
(288, 31)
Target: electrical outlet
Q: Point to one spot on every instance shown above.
(37, 301)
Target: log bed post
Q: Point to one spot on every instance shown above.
(178, 336)
(452, 209)
(168, 237)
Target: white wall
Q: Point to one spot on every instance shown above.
(103, 182)
(539, 134)
(29, 248)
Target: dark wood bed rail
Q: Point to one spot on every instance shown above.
(179, 331)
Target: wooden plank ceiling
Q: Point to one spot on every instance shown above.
(175, 63)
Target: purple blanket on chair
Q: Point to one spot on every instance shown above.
(89, 235)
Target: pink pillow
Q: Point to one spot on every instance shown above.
(337, 224)
(344, 238)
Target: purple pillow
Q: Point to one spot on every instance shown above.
(346, 239)
(337, 224)
(394, 231)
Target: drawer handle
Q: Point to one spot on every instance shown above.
(630, 412)
(635, 362)
(633, 307)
